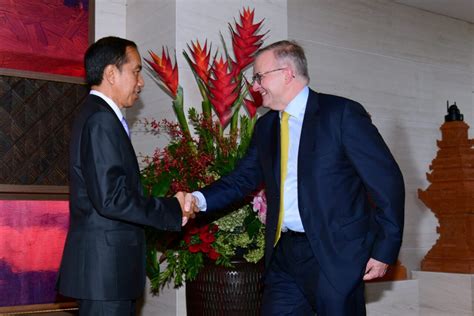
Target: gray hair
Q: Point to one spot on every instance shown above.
(289, 50)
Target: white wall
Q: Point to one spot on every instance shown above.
(151, 24)
(471, 40)
(402, 64)
(110, 17)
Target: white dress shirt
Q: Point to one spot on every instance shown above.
(296, 109)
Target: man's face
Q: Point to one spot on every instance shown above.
(270, 81)
(128, 80)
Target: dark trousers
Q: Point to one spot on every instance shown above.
(295, 285)
(106, 308)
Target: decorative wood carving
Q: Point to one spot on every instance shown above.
(451, 198)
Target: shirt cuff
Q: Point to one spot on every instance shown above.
(201, 201)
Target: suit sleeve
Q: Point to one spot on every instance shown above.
(112, 180)
(382, 178)
(241, 182)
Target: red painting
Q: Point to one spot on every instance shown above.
(47, 36)
(32, 235)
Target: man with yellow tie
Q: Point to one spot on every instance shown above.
(334, 191)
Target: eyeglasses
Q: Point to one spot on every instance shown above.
(259, 75)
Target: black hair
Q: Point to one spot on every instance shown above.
(109, 50)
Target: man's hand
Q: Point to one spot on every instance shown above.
(188, 206)
(375, 269)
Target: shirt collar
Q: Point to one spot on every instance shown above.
(297, 106)
(110, 102)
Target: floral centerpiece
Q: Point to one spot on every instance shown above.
(221, 137)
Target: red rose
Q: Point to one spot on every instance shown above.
(214, 228)
(214, 255)
(205, 247)
(207, 237)
(193, 231)
(204, 229)
(195, 248)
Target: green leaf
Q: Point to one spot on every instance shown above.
(249, 218)
(161, 188)
(254, 227)
(153, 269)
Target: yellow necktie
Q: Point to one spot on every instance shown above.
(284, 141)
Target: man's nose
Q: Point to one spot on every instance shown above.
(255, 85)
(141, 82)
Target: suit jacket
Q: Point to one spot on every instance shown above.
(350, 189)
(104, 254)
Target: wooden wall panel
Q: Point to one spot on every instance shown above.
(35, 123)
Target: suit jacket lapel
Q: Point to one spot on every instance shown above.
(106, 107)
(308, 134)
(275, 146)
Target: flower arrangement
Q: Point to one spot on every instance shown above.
(188, 163)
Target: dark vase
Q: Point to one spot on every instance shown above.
(219, 290)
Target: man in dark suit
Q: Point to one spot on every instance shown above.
(335, 194)
(103, 263)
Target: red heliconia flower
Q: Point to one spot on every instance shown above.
(165, 70)
(201, 56)
(255, 103)
(223, 89)
(244, 39)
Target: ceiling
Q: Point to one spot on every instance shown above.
(459, 9)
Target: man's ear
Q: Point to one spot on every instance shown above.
(289, 75)
(109, 74)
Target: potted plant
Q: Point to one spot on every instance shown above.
(193, 159)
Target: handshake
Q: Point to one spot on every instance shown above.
(188, 204)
